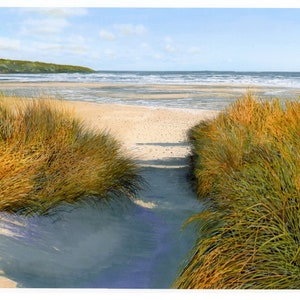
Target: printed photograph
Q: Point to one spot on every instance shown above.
(150, 148)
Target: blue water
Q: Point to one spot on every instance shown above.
(200, 90)
(275, 79)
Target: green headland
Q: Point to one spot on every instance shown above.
(33, 67)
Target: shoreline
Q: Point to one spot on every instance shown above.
(193, 96)
(162, 85)
(172, 86)
(173, 89)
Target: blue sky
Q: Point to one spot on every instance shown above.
(243, 39)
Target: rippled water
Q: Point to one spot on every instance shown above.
(275, 79)
(201, 90)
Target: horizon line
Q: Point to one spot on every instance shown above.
(174, 71)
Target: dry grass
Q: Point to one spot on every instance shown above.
(247, 166)
(47, 157)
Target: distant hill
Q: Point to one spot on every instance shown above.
(31, 67)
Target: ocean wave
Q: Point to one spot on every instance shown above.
(278, 79)
(196, 90)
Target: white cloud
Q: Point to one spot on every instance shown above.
(110, 53)
(43, 27)
(145, 46)
(9, 44)
(67, 12)
(57, 12)
(169, 45)
(68, 48)
(106, 35)
(157, 56)
(194, 50)
(168, 40)
(170, 48)
(78, 39)
(48, 21)
(130, 29)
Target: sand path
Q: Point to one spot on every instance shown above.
(146, 133)
(157, 139)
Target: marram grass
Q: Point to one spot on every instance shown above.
(48, 158)
(247, 169)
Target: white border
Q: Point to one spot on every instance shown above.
(146, 293)
(155, 3)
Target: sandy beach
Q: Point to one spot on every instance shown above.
(147, 134)
(7, 283)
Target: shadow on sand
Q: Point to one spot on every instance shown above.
(109, 247)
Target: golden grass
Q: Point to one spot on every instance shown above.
(48, 157)
(247, 166)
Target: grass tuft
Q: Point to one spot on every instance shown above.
(48, 157)
(247, 166)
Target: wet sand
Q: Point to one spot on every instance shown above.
(197, 96)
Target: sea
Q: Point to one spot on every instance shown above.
(132, 246)
(210, 90)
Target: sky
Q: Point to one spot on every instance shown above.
(154, 39)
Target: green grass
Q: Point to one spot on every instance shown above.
(23, 66)
(247, 170)
(48, 157)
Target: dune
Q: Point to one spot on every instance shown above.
(147, 134)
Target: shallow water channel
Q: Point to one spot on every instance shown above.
(117, 246)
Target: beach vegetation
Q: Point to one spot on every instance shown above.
(9, 66)
(247, 171)
(50, 157)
